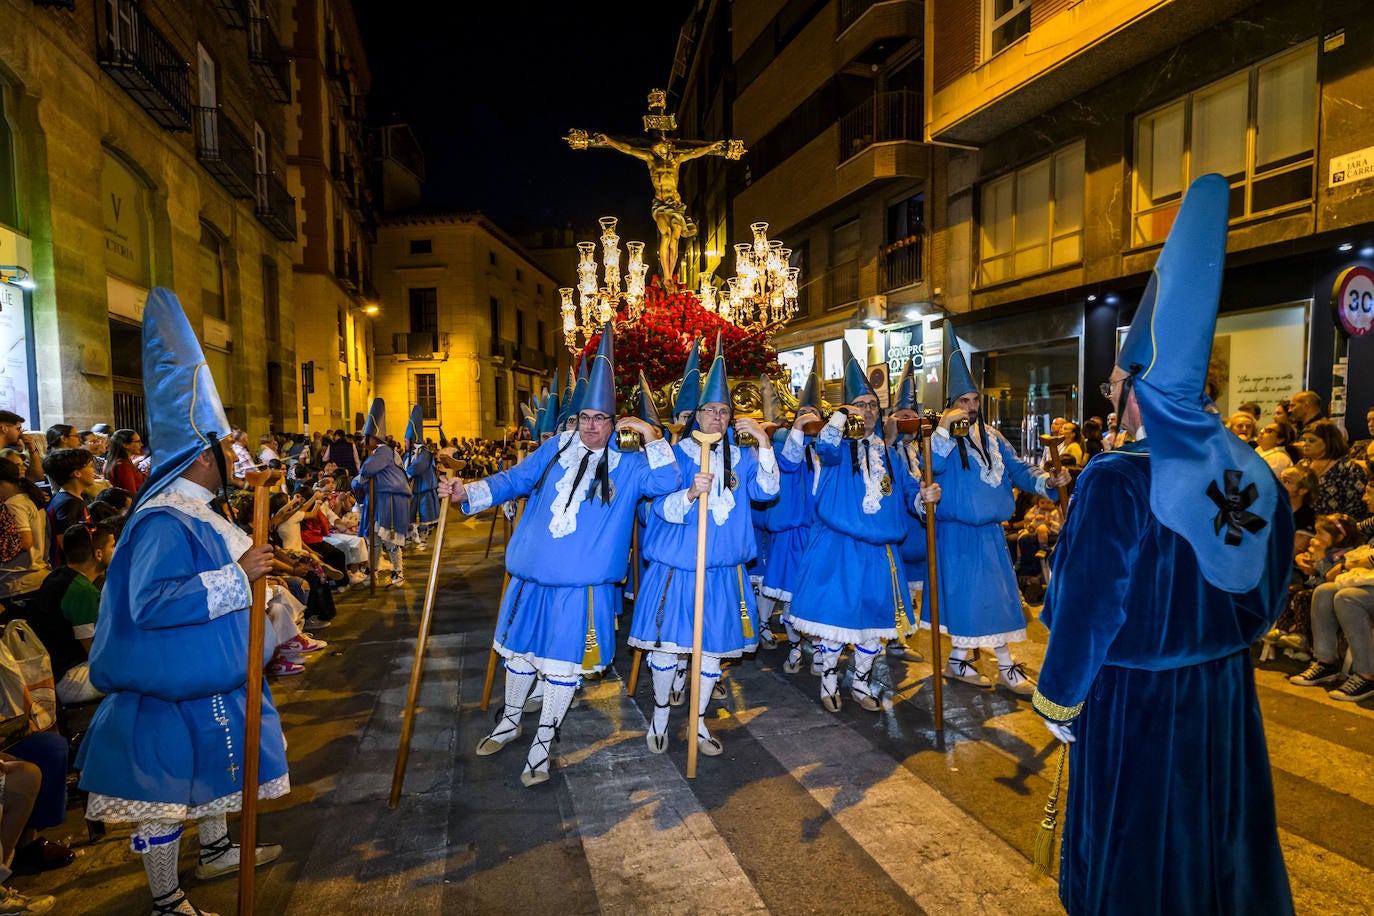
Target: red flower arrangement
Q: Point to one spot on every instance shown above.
(658, 343)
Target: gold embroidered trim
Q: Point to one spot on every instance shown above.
(1052, 710)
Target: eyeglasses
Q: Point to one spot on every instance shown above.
(715, 411)
(1106, 389)
(866, 404)
(593, 419)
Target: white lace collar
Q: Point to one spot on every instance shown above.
(566, 501)
(991, 470)
(874, 470)
(190, 498)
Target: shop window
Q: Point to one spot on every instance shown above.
(9, 172)
(1032, 219)
(211, 273)
(1007, 20)
(501, 410)
(1257, 128)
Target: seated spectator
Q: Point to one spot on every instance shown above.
(1092, 437)
(267, 449)
(120, 469)
(110, 502)
(1341, 480)
(23, 783)
(63, 435)
(1252, 408)
(66, 608)
(1272, 445)
(1037, 532)
(1360, 449)
(1071, 450)
(1334, 535)
(22, 575)
(70, 471)
(1345, 604)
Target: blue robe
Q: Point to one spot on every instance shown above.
(170, 653)
(424, 482)
(980, 604)
(789, 519)
(392, 489)
(852, 587)
(664, 607)
(1170, 805)
(570, 551)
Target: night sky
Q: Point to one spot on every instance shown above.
(491, 88)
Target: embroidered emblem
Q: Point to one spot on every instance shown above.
(732, 481)
(1233, 511)
(885, 486)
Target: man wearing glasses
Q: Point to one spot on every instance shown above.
(567, 556)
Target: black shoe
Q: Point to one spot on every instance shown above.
(1319, 672)
(1356, 688)
(41, 855)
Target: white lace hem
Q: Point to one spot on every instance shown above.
(124, 810)
(842, 635)
(550, 667)
(991, 641)
(650, 645)
(776, 594)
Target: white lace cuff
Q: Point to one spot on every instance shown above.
(768, 471)
(659, 453)
(675, 506)
(830, 435)
(479, 497)
(226, 589)
(794, 449)
(942, 443)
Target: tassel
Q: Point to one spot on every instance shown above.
(1042, 859)
(744, 621)
(591, 655)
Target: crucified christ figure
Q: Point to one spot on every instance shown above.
(664, 157)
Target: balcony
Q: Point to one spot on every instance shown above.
(427, 345)
(504, 349)
(276, 208)
(900, 264)
(346, 268)
(879, 140)
(225, 153)
(867, 31)
(534, 359)
(233, 12)
(144, 63)
(271, 61)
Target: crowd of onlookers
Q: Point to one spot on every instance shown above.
(64, 497)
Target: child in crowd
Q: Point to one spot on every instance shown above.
(1332, 537)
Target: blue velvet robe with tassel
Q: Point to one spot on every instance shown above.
(1170, 802)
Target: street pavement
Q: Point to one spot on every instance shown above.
(805, 812)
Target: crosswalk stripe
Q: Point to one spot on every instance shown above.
(1340, 769)
(650, 845)
(1346, 886)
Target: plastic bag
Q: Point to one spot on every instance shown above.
(35, 667)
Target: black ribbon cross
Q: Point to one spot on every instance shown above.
(1233, 512)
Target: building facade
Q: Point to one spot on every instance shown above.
(468, 326)
(1085, 124)
(334, 290)
(142, 143)
(827, 98)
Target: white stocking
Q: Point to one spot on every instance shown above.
(830, 666)
(710, 673)
(792, 635)
(160, 842)
(864, 654)
(393, 553)
(663, 667)
(766, 605)
(558, 696)
(1003, 653)
(957, 654)
(518, 682)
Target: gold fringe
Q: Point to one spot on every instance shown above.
(591, 656)
(1042, 859)
(745, 623)
(903, 622)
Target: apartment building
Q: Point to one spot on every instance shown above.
(142, 143)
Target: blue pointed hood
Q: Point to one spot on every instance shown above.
(548, 417)
(376, 420)
(811, 392)
(600, 394)
(691, 381)
(906, 388)
(645, 408)
(856, 381)
(716, 388)
(958, 380)
(579, 394)
(183, 407)
(415, 426)
(1206, 485)
(529, 418)
(566, 402)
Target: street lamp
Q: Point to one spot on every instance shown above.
(17, 276)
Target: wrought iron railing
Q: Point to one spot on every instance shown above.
(144, 63)
(885, 117)
(225, 153)
(276, 207)
(842, 284)
(269, 58)
(900, 264)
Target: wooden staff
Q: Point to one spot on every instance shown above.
(633, 684)
(698, 605)
(421, 642)
(1051, 444)
(261, 482)
(372, 537)
(932, 582)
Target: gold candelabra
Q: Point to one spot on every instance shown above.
(598, 304)
(763, 293)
